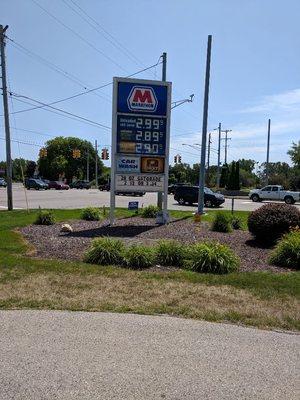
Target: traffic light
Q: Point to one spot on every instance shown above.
(175, 159)
(179, 159)
(76, 153)
(104, 154)
(43, 152)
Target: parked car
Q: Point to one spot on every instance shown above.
(105, 187)
(80, 185)
(3, 182)
(189, 194)
(274, 192)
(36, 184)
(58, 185)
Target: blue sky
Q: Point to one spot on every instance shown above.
(254, 71)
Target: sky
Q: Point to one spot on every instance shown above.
(59, 48)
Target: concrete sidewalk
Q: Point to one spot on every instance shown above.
(80, 355)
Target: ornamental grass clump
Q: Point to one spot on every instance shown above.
(45, 218)
(105, 251)
(287, 251)
(212, 257)
(150, 211)
(91, 214)
(170, 252)
(271, 221)
(139, 256)
(221, 222)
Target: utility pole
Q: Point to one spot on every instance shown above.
(226, 144)
(88, 166)
(208, 156)
(163, 78)
(6, 120)
(204, 129)
(96, 164)
(219, 155)
(268, 151)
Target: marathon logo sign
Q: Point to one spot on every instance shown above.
(142, 98)
(128, 164)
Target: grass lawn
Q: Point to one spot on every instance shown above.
(261, 299)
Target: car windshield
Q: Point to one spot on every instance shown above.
(39, 181)
(208, 191)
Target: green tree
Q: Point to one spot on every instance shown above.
(294, 153)
(30, 168)
(237, 176)
(59, 160)
(224, 176)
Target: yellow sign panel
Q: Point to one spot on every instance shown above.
(152, 165)
(127, 147)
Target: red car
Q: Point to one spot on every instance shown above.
(58, 185)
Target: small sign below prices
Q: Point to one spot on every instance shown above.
(133, 205)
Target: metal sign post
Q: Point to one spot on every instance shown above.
(140, 138)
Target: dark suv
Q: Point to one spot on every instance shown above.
(189, 194)
(80, 185)
(35, 184)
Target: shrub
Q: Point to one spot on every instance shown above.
(170, 252)
(287, 251)
(139, 257)
(236, 223)
(271, 221)
(91, 214)
(210, 257)
(221, 222)
(45, 218)
(150, 212)
(105, 251)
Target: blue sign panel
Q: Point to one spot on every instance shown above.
(141, 135)
(133, 205)
(138, 98)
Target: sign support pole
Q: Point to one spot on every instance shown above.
(164, 78)
(268, 152)
(113, 155)
(204, 130)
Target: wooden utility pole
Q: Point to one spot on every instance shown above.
(96, 164)
(6, 120)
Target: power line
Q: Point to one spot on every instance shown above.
(78, 35)
(103, 32)
(24, 142)
(68, 115)
(87, 91)
(54, 67)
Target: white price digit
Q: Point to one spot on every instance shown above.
(139, 135)
(147, 147)
(155, 136)
(147, 136)
(148, 123)
(155, 123)
(155, 148)
(139, 123)
(138, 147)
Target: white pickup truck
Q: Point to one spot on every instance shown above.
(274, 192)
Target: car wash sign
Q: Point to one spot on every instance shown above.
(140, 135)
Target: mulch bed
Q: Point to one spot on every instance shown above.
(51, 243)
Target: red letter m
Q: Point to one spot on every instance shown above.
(142, 96)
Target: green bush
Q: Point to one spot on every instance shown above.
(150, 211)
(105, 251)
(91, 214)
(271, 221)
(212, 257)
(139, 257)
(221, 222)
(170, 252)
(287, 251)
(45, 218)
(236, 223)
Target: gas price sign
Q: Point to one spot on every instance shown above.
(140, 136)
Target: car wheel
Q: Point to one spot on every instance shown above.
(181, 201)
(255, 198)
(289, 200)
(208, 203)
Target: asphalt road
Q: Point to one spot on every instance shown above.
(75, 198)
(76, 355)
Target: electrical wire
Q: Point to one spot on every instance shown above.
(79, 36)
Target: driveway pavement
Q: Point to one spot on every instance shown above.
(74, 198)
(76, 355)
